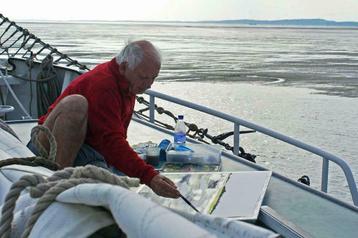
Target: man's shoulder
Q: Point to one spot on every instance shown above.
(100, 77)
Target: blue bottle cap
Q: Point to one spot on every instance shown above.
(180, 117)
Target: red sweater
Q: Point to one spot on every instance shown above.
(110, 108)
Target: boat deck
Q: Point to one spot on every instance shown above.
(290, 208)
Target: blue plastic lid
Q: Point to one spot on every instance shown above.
(164, 144)
(182, 148)
(180, 117)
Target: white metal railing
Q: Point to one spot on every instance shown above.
(4, 78)
(326, 157)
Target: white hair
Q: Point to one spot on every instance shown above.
(133, 54)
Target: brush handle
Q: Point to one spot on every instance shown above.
(189, 203)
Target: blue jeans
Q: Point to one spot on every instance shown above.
(86, 155)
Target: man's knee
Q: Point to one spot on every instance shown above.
(74, 104)
(73, 107)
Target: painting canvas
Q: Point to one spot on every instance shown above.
(236, 195)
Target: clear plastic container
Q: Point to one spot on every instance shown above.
(200, 154)
(182, 157)
(205, 154)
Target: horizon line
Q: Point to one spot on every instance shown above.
(193, 21)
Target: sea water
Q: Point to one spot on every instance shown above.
(302, 82)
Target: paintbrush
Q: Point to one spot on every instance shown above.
(189, 203)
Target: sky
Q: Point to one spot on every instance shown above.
(181, 10)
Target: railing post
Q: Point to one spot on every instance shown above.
(151, 108)
(236, 138)
(324, 178)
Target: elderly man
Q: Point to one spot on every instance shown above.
(90, 118)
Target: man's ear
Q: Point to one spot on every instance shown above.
(122, 67)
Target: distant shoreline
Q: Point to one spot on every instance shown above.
(292, 22)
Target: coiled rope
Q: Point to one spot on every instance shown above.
(51, 155)
(45, 159)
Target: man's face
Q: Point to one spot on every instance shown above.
(141, 77)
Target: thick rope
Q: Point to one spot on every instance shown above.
(10, 201)
(104, 175)
(47, 191)
(87, 172)
(31, 161)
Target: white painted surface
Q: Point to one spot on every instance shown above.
(243, 195)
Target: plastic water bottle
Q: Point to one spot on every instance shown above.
(180, 131)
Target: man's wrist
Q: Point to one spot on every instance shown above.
(148, 176)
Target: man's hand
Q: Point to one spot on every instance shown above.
(164, 187)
